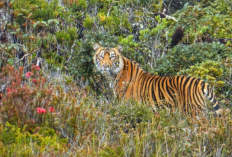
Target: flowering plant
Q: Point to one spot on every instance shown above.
(40, 110)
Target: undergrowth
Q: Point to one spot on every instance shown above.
(66, 120)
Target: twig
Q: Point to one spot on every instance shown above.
(169, 5)
(71, 52)
(26, 55)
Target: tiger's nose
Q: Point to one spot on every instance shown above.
(104, 65)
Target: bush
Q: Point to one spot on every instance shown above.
(184, 56)
(211, 71)
(24, 93)
(132, 112)
(19, 142)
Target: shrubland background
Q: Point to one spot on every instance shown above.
(65, 108)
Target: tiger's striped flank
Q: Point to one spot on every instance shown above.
(132, 82)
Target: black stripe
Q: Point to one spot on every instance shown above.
(128, 84)
(142, 80)
(123, 67)
(201, 97)
(132, 67)
(180, 85)
(195, 97)
(177, 87)
(164, 79)
(151, 80)
(160, 92)
(214, 101)
(137, 69)
(116, 84)
(211, 91)
(170, 90)
(157, 82)
(175, 84)
(208, 90)
(172, 79)
(186, 81)
(154, 83)
(153, 91)
(203, 87)
(216, 107)
(181, 82)
(146, 80)
(196, 91)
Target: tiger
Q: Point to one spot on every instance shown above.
(132, 82)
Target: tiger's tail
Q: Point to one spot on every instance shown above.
(208, 92)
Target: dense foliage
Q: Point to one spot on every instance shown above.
(54, 103)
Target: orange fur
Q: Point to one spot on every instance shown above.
(132, 82)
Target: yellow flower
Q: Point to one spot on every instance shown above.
(102, 18)
(56, 13)
(220, 83)
(211, 78)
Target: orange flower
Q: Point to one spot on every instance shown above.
(24, 24)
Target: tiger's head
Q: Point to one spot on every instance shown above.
(108, 60)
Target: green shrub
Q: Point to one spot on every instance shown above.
(19, 142)
(184, 56)
(132, 112)
(36, 10)
(211, 71)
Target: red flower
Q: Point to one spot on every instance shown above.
(28, 74)
(41, 110)
(8, 90)
(51, 109)
(38, 68)
(34, 80)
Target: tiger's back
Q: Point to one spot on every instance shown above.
(131, 81)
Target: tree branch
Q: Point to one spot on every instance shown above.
(26, 55)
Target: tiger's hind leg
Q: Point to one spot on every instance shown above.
(208, 92)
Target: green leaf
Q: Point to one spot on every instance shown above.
(185, 5)
(53, 21)
(54, 39)
(18, 29)
(44, 42)
(35, 24)
(16, 47)
(12, 1)
(24, 49)
(20, 14)
(49, 37)
(25, 35)
(10, 61)
(39, 43)
(45, 23)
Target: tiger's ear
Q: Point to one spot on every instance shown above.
(96, 46)
(119, 48)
